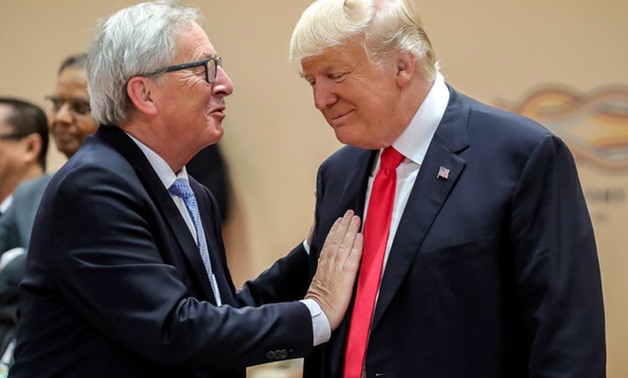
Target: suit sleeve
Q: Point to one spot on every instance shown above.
(108, 265)
(557, 273)
(286, 280)
(7, 230)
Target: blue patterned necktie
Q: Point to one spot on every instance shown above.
(182, 189)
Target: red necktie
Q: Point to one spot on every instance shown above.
(376, 228)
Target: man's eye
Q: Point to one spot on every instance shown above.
(338, 76)
(81, 107)
(57, 103)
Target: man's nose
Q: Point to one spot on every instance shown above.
(223, 84)
(323, 95)
(64, 113)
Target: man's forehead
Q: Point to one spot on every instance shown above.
(5, 111)
(194, 41)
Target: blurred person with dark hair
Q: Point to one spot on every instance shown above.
(210, 168)
(23, 145)
(70, 123)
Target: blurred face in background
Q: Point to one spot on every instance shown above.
(11, 151)
(70, 119)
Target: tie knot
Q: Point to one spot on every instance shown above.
(181, 188)
(391, 158)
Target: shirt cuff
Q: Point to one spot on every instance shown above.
(320, 324)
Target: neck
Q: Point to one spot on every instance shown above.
(410, 102)
(149, 134)
(9, 184)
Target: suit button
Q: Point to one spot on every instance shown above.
(282, 354)
(271, 355)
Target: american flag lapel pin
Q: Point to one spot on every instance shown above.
(443, 173)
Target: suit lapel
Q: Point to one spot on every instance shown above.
(354, 195)
(346, 190)
(161, 198)
(428, 195)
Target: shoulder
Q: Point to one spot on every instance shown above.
(499, 129)
(500, 121)
(32, 188)
(96, 169)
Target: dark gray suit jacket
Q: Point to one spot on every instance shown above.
(115, 286)
(16, 224)
(15, 231)
(493, 272)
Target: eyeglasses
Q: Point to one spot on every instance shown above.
(11, 136)
(78, 107)
(211, 65)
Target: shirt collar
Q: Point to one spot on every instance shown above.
(416, 138)
(163, 170)
(4, 205)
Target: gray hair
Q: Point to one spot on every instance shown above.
(388, 27)
(134, 41)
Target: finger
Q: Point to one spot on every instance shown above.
(345, 223)
(353, 260)
(337, 233)
(329, 240)
(349, 238)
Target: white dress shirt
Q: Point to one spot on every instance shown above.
(413, 144)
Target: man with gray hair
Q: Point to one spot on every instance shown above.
(126, 274)
(479, 254)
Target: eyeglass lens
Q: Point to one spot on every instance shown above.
(80, 107)
(212, 69)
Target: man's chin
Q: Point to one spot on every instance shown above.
(215, 135)
(346, 135)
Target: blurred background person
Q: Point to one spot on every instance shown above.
(70, 124)
(70, 119)
(23, 145)
(210, 169)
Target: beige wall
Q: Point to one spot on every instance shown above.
(494, 50)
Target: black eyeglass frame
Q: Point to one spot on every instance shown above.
(184, 66)
(77, 106)
(15, 136)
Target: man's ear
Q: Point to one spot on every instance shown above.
(139, 90)
(406, 67)
(32, 145)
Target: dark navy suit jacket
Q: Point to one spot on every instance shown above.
(115, 287)
(493, 271)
